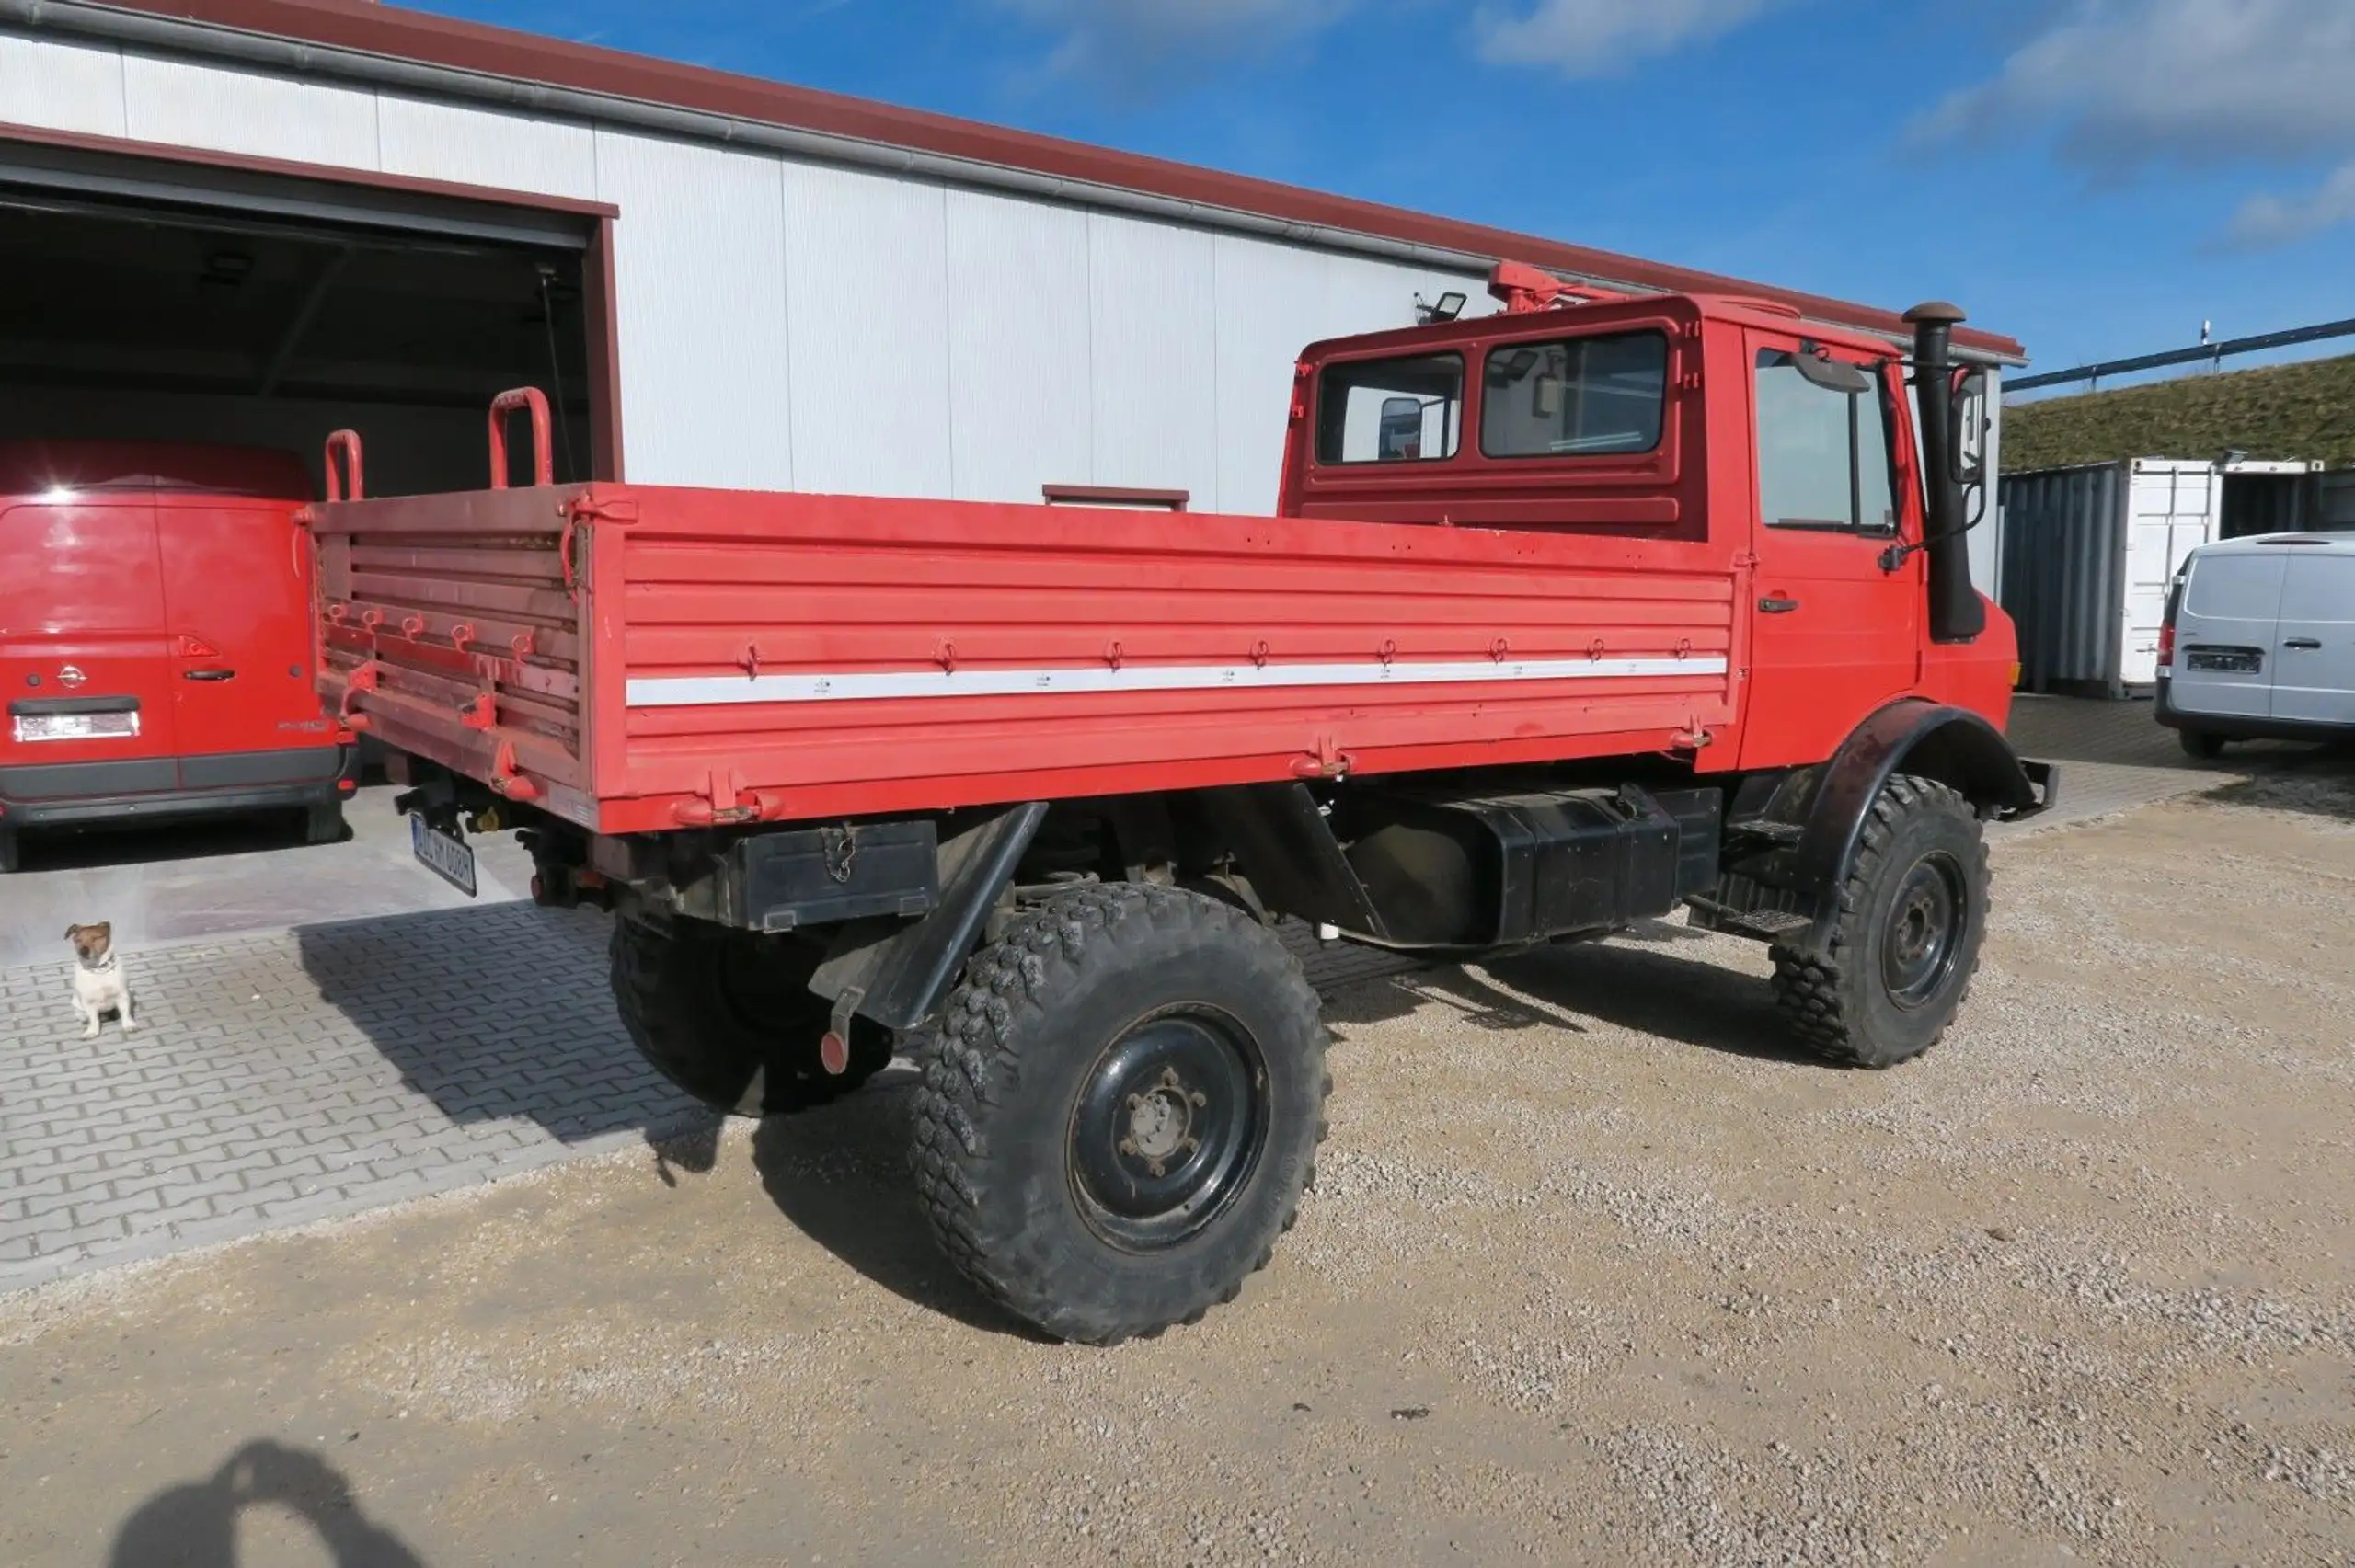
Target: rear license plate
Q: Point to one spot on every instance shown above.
(2227, 660)
(446, 857)
(75, 727)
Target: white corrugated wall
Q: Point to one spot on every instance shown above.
(786, 324)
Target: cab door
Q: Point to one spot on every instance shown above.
(85, 660)
(2226, 622)
(2313, 663)
(235, 595)
(1835, 627)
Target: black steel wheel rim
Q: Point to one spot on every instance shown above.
(1925, 930)
(1169, 1123)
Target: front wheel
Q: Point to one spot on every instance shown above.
(1121, 1110)
(1905, 932)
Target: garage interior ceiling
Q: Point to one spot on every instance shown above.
(167, 301)
(223, 307)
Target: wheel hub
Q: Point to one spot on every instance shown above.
(1166, 1128)
(1924, 931)
(1160, 1122)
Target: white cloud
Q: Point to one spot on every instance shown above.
(2268, 220)
(1124, 35)
(1597, 38)
(2129, 83)
(1581, 37)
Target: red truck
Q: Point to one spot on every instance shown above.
(156, 640)
(1574, 615)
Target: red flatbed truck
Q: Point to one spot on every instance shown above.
(1573, 616)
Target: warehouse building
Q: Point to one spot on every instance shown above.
(256, 221)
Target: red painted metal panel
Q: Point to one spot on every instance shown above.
(1192, 630)
(237, 592)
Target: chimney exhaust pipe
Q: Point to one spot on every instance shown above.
(1957, 612)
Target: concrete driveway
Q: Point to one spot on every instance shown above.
(198, 881)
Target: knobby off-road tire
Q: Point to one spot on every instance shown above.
(728, 1016)
(1121, 1110)
(1905, 932)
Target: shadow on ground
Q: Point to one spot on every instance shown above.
(204, 838)
(840, 1174)
(195, 1525)
(498, 1012)
(1645, 981)
(2316, 783)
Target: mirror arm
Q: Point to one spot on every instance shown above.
(1894, 556)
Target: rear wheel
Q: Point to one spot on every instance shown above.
(8, 861)
(323, 824)
(1121, 1110)
(2204, 745)
(1905, 932)
(729, 1016)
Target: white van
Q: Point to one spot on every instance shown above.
(2259, 642)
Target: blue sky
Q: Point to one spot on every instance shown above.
(2093, 176)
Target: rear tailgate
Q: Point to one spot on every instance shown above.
(454, 627)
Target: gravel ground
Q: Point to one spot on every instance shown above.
(1596, 1272)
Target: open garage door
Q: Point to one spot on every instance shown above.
(154, 297)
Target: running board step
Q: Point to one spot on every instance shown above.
(1766, 924)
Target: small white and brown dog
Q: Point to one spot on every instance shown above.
(99, 985)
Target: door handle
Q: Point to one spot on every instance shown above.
(1776, 606)
(208, 675)
(2302, 642)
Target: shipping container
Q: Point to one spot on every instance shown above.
(2261, 497)
(2087, 555)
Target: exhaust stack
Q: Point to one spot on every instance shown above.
(1957, 612)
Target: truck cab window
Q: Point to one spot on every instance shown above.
(1408, 410)
(1581, 398)
(1823, 454)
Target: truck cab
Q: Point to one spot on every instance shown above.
(1696, 433)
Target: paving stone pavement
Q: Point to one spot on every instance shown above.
(334, 1069)
(340, 1067)
(277, 1078)
(2115, 756)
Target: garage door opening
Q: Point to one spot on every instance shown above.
(165, 302)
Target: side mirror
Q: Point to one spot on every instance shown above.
(1967, 438)
(1830, 374)
(1400, 433)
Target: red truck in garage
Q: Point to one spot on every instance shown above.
(155, 641)
(1574, 615)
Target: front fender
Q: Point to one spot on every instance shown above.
(1954, 746)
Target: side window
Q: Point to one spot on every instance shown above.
(1408, 410)
(1823, 454)
(1584, 396)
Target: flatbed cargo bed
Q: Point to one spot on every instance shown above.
(635, 659)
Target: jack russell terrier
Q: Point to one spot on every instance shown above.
(99, 985)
